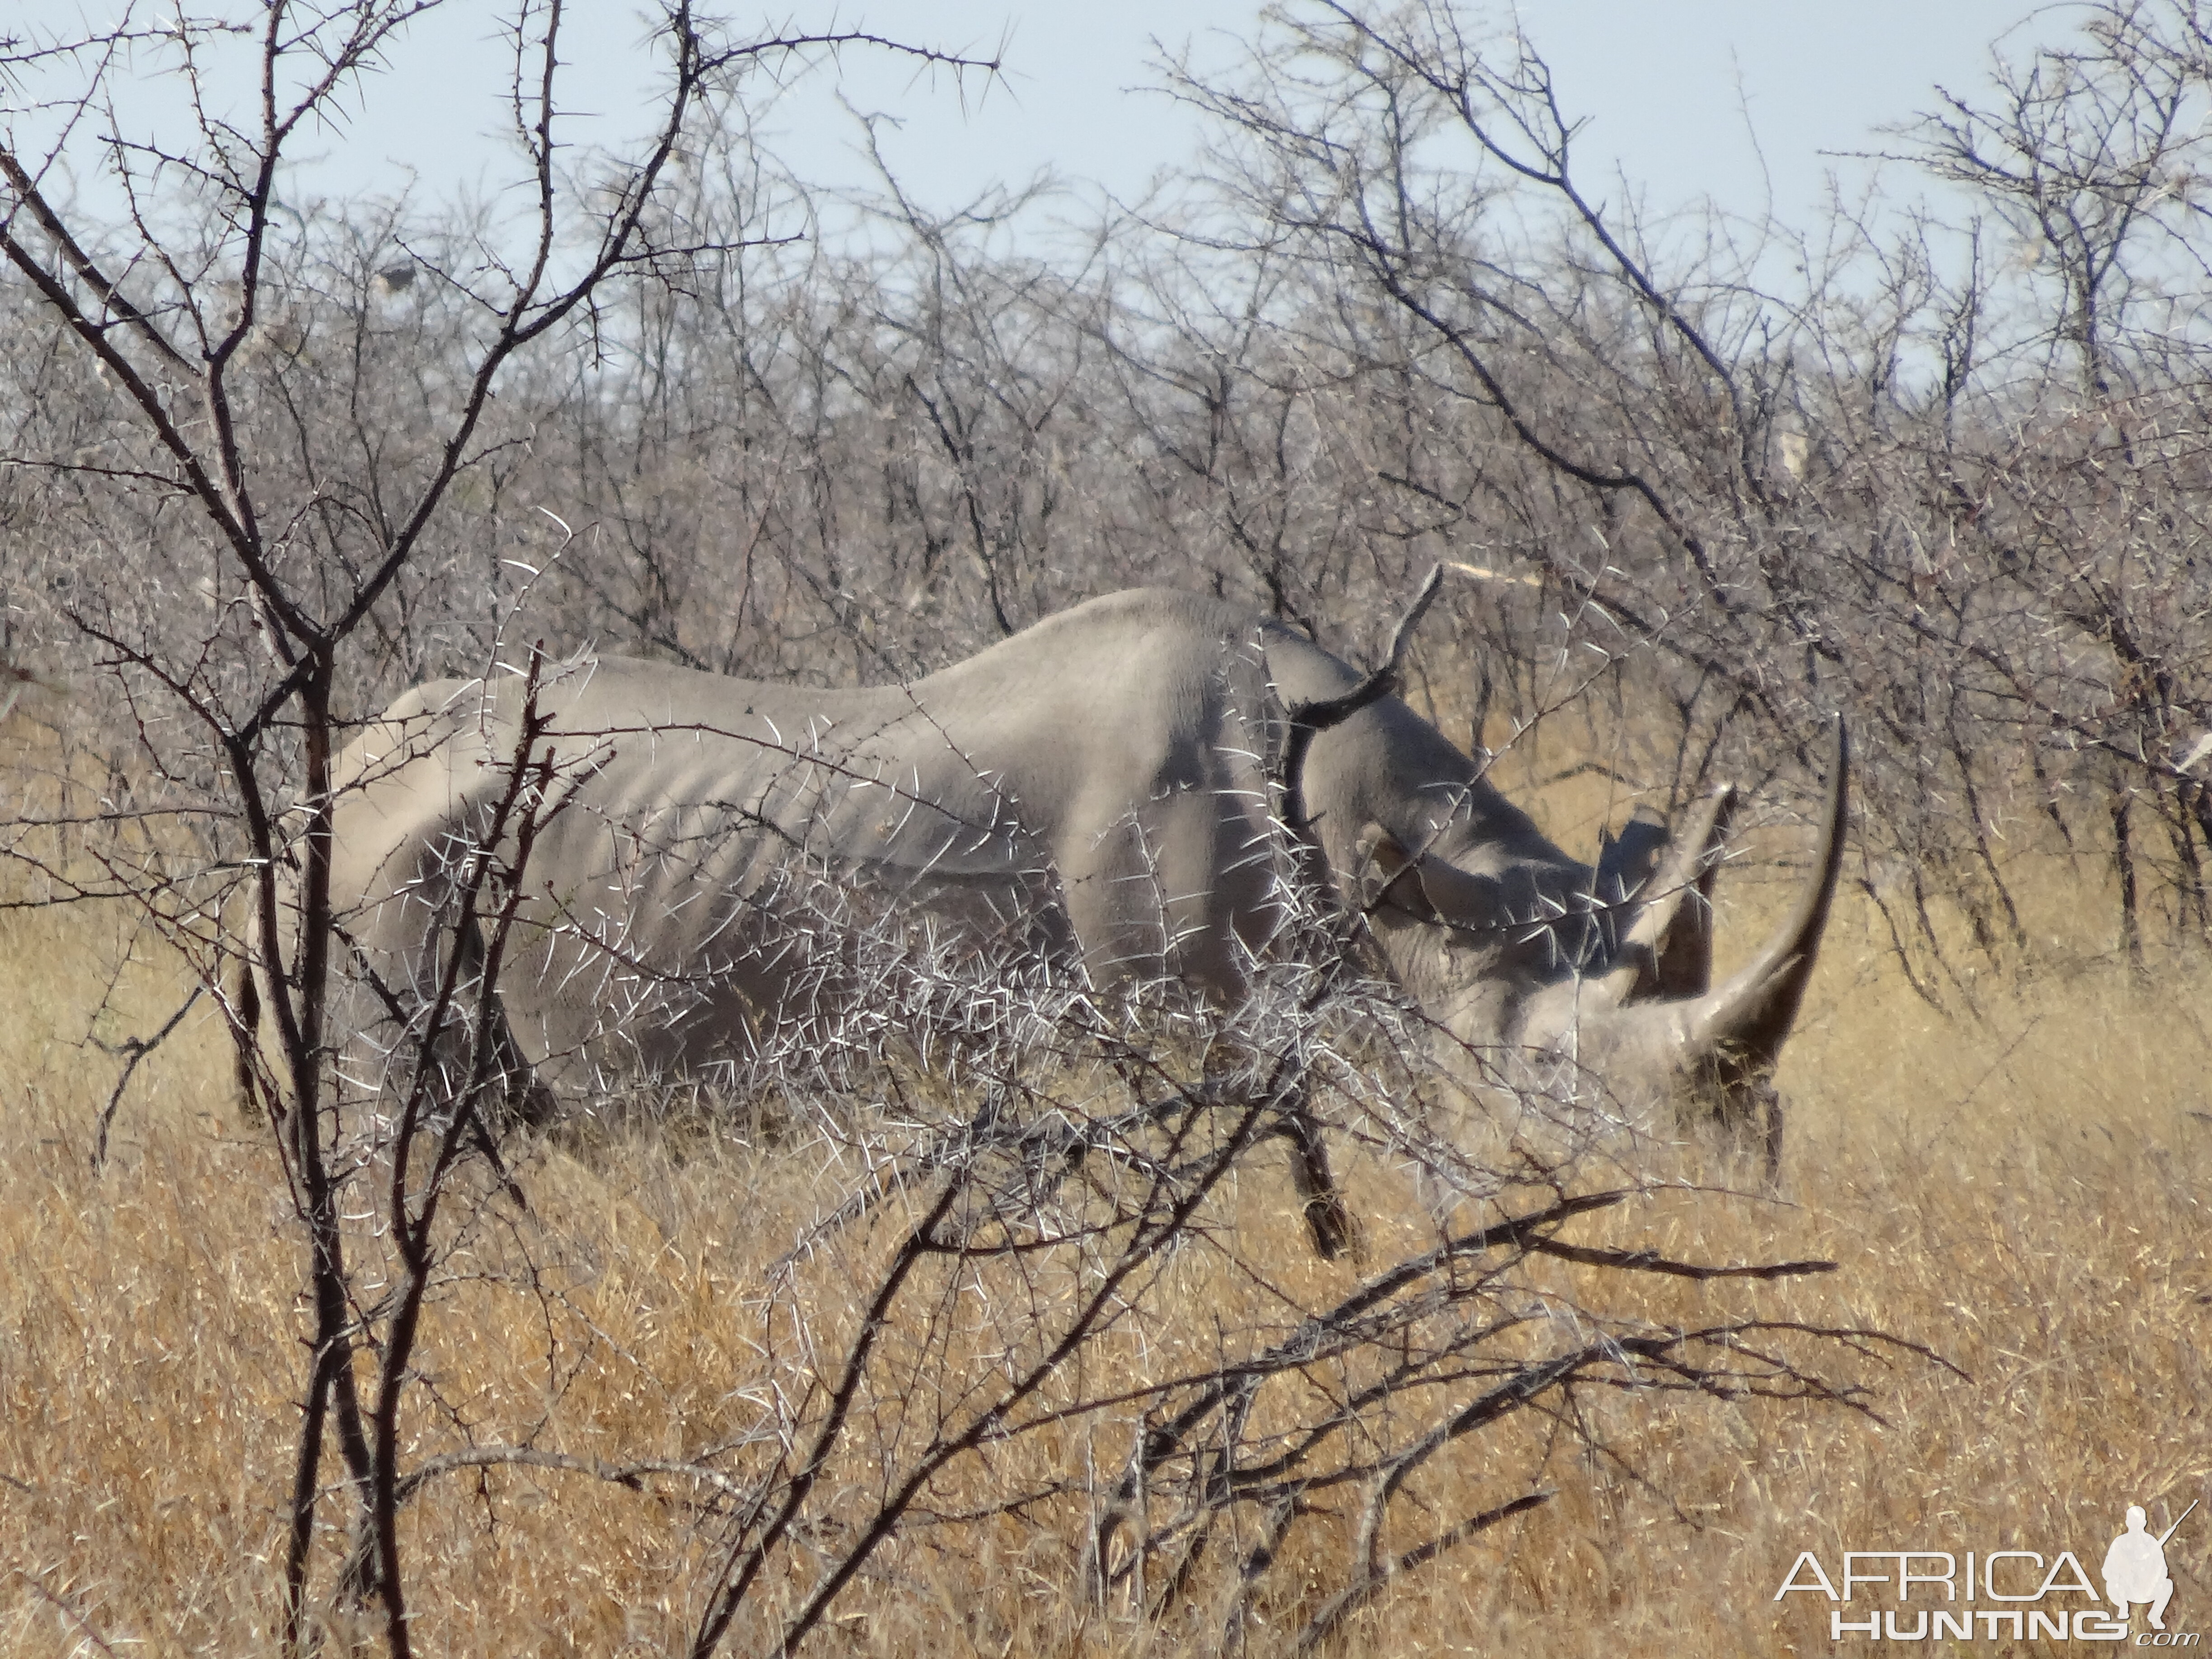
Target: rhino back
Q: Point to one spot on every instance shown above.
(1091, 785)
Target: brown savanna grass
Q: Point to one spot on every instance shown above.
(2018, 1188)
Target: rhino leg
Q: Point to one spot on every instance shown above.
(246, 1000)
(518, 1097)
(1328, 1220)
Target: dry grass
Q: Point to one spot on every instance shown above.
(2020, 1190)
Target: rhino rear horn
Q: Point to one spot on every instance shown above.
(1668, 950)
(1685, 950)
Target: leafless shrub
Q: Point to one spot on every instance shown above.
(228, 443)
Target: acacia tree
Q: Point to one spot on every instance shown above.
(2089, 161)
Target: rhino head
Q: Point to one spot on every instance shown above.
(1608, 966)
(1511, 946)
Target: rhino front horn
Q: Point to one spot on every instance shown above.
(1739, 1029)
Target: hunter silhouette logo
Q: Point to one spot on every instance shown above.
(2135, 1568)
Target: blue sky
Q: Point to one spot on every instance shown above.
(1734, 99)
(1675, 91)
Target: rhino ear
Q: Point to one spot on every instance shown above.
(1627, 862)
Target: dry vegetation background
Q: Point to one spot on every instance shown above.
(2020, 1189)
(1946, 473)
